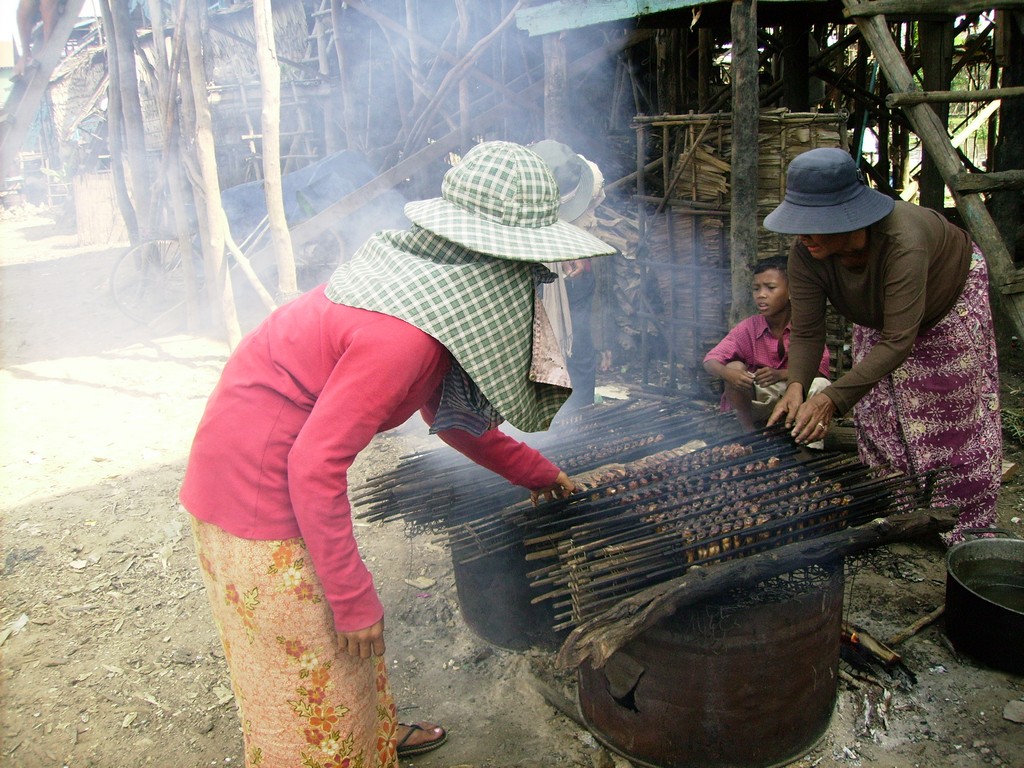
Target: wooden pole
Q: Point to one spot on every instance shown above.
(796, 66)
(556, 89)
(1008, 143)
(135, 160)
(454, 76)
(115, 132)
(935, 39)
(705, 65)
(270, 116)
(221, 294)
(167, 78)
(743, 222)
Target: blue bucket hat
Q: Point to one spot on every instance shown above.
(826, 194)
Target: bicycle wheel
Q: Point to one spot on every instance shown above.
(148, 283)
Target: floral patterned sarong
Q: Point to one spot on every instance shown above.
(940, 408)
(302, 703)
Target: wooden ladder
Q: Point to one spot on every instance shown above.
(965, 187)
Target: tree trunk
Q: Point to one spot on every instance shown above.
(270, 82)
(219, 284)
(123, 39)
(167, 76)
(115, 122)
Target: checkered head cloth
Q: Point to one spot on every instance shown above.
(502, 200)
(479, 307)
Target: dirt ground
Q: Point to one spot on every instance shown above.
(109, 654)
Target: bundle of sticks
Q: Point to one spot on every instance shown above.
(651, 520)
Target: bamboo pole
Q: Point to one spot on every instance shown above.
(347, 107)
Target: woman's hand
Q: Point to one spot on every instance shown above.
(812, 418)
(363, 643)
(785, 410)
(559, 489)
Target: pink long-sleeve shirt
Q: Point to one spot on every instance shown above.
(302, 395)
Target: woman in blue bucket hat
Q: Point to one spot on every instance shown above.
(439, 318)
(924, 384)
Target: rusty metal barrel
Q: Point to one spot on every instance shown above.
(745, 683)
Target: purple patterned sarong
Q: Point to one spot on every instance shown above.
(940, 408)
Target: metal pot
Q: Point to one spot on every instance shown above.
(985, 600)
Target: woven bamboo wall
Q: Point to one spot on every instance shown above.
(688, 238)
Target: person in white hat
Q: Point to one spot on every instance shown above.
(439, 319)
(569, 299)
(924, 385)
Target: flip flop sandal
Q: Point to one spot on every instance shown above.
(418, 749)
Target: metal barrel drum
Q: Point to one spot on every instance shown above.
(749, 684)
(495, 601)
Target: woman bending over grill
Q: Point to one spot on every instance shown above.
(437, 319)
(924, 385)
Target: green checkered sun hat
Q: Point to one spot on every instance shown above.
(503, 201)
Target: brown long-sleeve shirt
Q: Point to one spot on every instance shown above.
(917, 267)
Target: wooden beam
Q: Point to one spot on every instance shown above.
(923, 7)
(923, 97)
(987, 182)
(559, 15)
